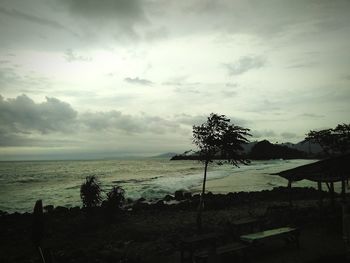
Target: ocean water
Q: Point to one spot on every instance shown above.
(58, 182)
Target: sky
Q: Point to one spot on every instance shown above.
(98, 79)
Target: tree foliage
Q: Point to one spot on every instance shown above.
(90, 192)
(218, 139)
(114, 202)
(332, 141)
(115, 197)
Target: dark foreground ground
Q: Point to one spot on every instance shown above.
(153, 233)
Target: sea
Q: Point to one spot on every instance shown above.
(58, 182)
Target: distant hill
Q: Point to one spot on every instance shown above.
(312, 148)
(265, 150)
(165, 155)
(248, 147)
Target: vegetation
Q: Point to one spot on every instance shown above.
(116, 196)
(217, 137)
(114, 202)
(332, 141)
(90, 192)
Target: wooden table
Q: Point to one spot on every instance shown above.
(287, 233)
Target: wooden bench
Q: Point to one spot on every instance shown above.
(237, 247)
(286, 233)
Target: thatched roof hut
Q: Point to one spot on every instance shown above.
(329, 170)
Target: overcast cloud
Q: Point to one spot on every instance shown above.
(132, 76)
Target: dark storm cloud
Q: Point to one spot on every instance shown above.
(245, 64)
(139, 81)
(107, 21)
(23, 115)
(22, 140)
(131, 9)
(10, 139)
(22, 121)
(118, 121)
(32, 18)
(114, 17)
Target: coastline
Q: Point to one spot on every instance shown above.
(58, 183)
(151, 232)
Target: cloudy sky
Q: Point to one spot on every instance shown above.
(85, 78)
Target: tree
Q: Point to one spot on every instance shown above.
(90, 192)
(332, 141)
(114, 202)
(218, 139)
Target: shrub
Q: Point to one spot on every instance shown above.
(90, 192)
(114, 202)
(115, 198)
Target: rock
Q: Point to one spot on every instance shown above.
(140, 206)
(168, 198)
(158, 204)
(75, 209)
(179, 195)
(141, 200)
(48, 208)
(61, 209)
(196, 197)
(188, 195)
(3, 213)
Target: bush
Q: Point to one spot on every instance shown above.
(114, 202)
(116, 197)
(90, 192)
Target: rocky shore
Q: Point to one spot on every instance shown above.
(150, 231)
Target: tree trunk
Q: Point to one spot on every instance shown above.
(290, 193)
(201, 200)
(343, 191)
(320, 200)
(332, 194)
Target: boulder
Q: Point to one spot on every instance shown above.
(179, 195)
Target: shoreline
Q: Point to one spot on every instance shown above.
(186, 199)
(152, 232)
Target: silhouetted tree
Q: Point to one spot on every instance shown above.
(90, 192)
(218, 138)
(332, 141)
(114, 202)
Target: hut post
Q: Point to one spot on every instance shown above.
(290, 192)
(331, 190)
(319, 186)
(343, 191)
